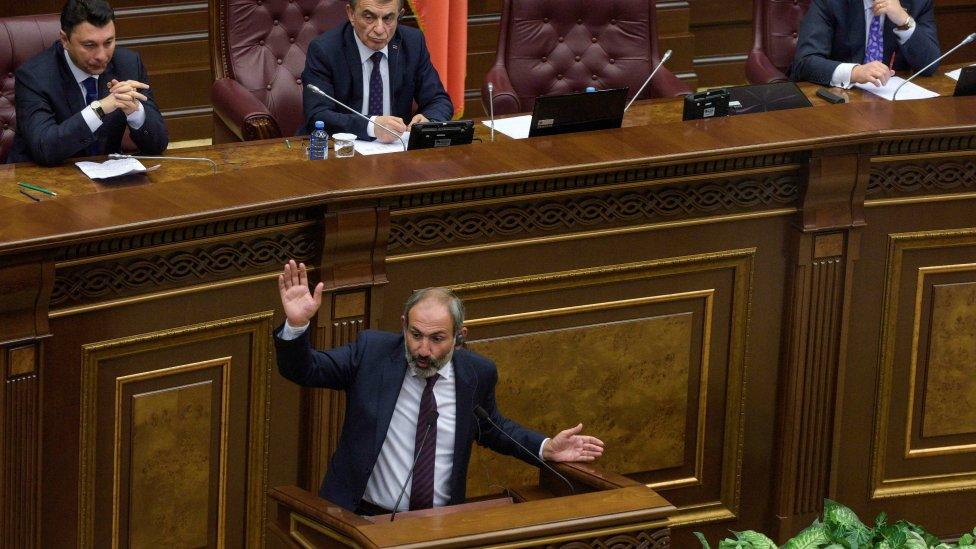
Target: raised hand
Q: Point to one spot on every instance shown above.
(299, 303)
(570, 445)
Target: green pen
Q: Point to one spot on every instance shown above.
(37, 188)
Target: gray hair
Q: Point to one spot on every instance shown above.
(352, 4)
(445, 297)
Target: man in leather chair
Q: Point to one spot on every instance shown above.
(378, 68)
(78, 97)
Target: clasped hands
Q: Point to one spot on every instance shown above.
(124, 95)
(396, 124)
(876, 72)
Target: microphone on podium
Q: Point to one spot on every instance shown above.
(965, 41)
(491, 109)
(667, 55)
(315, 89)
(482, 414)
(431, 418)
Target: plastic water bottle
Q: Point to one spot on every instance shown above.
(318, 143)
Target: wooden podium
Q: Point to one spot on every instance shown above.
(607, 510)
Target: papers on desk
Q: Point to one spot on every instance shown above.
(516, 127)
(375, 147)
(955, 74)
(111, 168)
(909, 91)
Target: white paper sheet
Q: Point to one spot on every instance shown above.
(516, 127)
(375, 147)
(111, 168)
(952, 74)
(908, 91)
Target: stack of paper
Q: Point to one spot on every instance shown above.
(908, 91)
(111, 168)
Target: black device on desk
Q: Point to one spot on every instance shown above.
(706, 104)
(578, 112)
(966, 85)
(426, 135)
(776, 96)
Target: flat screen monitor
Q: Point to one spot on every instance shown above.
(578, 112)
(427, 135)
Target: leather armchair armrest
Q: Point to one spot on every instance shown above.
(506, 100)
(666, 84)
(243, 114)
(760, 70)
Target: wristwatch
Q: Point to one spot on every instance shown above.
(907, 25)
(97, 108)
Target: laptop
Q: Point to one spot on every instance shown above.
(427, 135)
(766, 97)
(578, 112)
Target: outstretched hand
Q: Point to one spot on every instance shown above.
(299, 303)
(570, 445)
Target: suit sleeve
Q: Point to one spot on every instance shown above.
(923, 46)
(152, 137)
(48, 141)
(487, 435)
(308, 367)
(812, 62)
(432, 99)
(319, 72)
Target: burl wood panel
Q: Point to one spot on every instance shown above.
(626, 381)
(950, 387)
(172, 437)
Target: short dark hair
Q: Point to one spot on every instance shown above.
(96, 12)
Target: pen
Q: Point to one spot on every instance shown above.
(29, 195)
(37, 188)
(891, 63)
(288, 143)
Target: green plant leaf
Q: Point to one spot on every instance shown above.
(755, 539)
(811, 538)
(704, 542)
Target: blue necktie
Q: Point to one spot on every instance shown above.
(376, 86)
(874, 50)
(422, 488)
(91, 94)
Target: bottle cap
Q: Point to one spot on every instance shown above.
(319, 125)
(590, 89)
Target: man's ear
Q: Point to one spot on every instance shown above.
(349, 13)
(403, 322)
(64, 38)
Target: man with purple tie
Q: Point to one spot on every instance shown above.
(377, 68)
(410, 404)
(847, 42)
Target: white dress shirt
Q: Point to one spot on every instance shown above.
(364, 55)
(135, 120)
(842, 74)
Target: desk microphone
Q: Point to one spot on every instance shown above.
(667, 55)
(965, 41)
(482, 414)
(315, 89)
(431, 418)
(491, 109)
(193, 158)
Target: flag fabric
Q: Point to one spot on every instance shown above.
(445, 27)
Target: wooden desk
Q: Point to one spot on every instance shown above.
(754, 312)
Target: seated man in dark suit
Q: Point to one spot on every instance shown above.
(376, 67)
(847, 42)
(410, 398)
(77, 97)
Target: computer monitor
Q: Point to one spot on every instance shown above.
(578, 112)
(966, 85)
(426, 135)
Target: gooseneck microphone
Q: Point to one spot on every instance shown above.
(491, 109)
(482, 414)
(431, 418)
(315, 89)
(213, 164)
(965, 41)
(667, 55)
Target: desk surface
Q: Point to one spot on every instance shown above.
(246, 181)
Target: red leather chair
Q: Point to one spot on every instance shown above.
(548, 47)
(258, 54)
(774, 27)
(20, 39)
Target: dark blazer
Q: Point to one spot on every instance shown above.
(49, 102)
(370, 371)
(333, 64)
(833, 32)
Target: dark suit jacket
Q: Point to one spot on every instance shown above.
(371, 372)
(833, 32)
(50, 127)
(333, 64)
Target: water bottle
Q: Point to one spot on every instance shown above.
(318, 143)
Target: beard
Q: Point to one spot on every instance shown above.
(434, 367)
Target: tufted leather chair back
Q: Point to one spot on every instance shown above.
(775, 24)
(560, 46)
(262, 43)
(20, 39)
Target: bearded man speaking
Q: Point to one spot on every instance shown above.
(410, 402)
